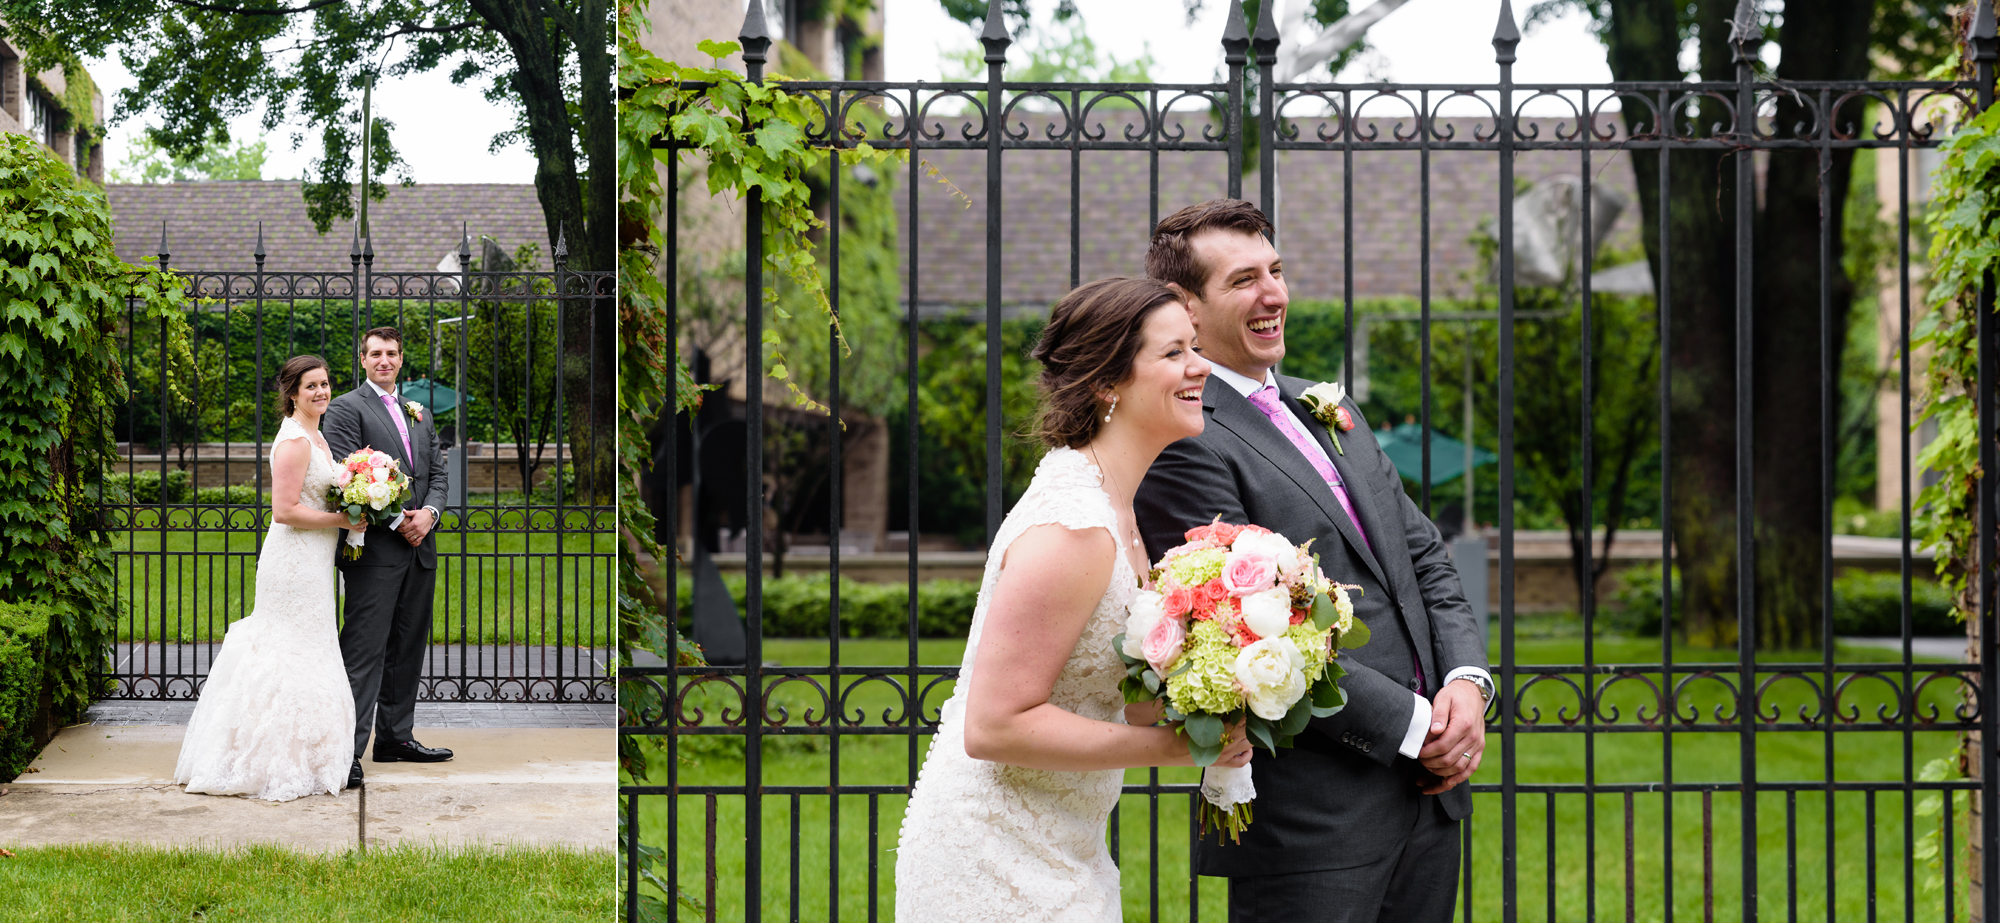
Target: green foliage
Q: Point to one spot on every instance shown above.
(797, 606)
(1964, 221)
(951, 426)
(63, 292)
(1865, 604)
(147, 162)
(1065, 54)
(24, 629)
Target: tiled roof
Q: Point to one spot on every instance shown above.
(1112, 191)
(213, 226)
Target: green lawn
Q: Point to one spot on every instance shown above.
(1541, 758)
(493, 586)
(104, 883)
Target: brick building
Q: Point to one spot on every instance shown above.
(38, 102)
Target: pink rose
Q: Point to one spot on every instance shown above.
(343, 477)
(1163, 644)
(380, 460)
(1244, 573)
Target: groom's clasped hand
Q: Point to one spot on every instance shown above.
(1456, 740)
(416, 524)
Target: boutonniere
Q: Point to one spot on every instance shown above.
(1323, 400)
(415, 409)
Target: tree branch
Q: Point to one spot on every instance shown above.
(410, 28)
(248, 11)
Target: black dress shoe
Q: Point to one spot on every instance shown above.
(354, 774)
(410, 751)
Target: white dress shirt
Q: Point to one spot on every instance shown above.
(1420, 720)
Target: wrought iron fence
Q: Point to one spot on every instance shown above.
(524, 587)
(1611, 772)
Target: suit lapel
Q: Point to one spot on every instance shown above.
(382, 417)
(1383, 525)
(1235, 412)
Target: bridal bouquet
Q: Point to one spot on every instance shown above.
(369, 485)
(1240, 626)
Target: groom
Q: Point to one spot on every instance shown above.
(1359, 820)
(388, 618)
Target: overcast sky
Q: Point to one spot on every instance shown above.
(442, 130)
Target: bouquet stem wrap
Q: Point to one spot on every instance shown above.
(1226, 793)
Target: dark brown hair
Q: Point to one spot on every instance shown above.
(1171, 256)
(294, 371)
(380, 333)
(1088, 345)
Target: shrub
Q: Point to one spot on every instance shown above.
(145, 487)
(24, 630)
(796, 606)
(1865, 603)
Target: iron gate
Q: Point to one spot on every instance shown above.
(524, 558)
(1574, 820)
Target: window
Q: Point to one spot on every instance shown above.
(41, 119)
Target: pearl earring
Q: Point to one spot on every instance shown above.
(1114, 406)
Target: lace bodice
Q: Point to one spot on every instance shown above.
(987, 842)
(319, 471)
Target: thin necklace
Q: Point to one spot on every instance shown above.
(1133, 530)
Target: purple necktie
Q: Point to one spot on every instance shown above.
(396, 414)
(1266, 400)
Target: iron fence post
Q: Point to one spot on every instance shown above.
(1506, 37)
(1235, 40)
(1745, 37)
(1265, 43)
(994, 38)
(756, 39)
(1985, 48)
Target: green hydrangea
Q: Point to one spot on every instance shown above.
(1197, 567)
(1208, 682)
(1312, 643)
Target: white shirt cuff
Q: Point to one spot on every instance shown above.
(1471, 671)
(1420, 723)
(397, 522)
(435, 515)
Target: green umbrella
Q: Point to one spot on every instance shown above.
(436, 398)
(1405, 445)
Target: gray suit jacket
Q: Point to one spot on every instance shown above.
(358, 418)
(1341, 796)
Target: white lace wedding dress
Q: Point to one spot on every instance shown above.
(987, 842)
(276, 717)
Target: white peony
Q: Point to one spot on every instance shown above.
(1277, 546)
(1269, 613)
(1146, 610)
(1272, 674)
(379, 494)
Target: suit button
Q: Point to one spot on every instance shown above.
(1367, 746)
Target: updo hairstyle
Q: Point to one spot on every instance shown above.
(1088, 346)
(293, 372)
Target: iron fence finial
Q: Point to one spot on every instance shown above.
(1265, 39)
(259, 253)
(1234, 37)
(1506, 35)
(994, 36)
(163, 242)
(756, 34)
(562, 242)
(1745, 35)
(354, 249)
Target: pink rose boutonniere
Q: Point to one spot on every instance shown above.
(1323, 400)
(416, 410)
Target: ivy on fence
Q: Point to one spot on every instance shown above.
(63, 296)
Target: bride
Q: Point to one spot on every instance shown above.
(276, 718)
(1006, 821)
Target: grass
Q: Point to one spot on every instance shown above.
(205, 580)
(104, 883)
(1582, 846)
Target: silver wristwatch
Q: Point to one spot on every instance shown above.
(1485, 685)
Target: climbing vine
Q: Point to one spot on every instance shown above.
(1964, 221)
(64, 298)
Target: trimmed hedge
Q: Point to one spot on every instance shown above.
(1865, 604)
(147, 487)
(796, 607)
(24, 629)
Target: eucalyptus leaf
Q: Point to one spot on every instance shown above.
(1295, 720)
(1355, 636)
(1259, 731)
(1204, 729)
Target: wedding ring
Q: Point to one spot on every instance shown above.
(1467, 756)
